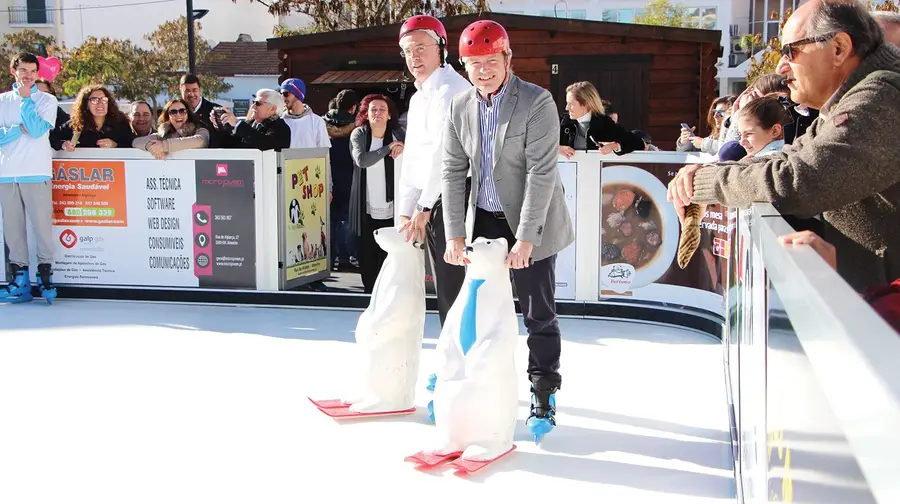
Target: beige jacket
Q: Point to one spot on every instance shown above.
(190, 137)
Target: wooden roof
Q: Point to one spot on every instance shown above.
(509, 21)
(241, 58)
(356, 77)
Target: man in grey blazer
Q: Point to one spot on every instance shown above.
(507, 131)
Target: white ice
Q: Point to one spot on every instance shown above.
(132, 403)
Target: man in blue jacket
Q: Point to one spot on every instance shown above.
(26, 162)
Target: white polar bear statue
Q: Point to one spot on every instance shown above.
(389, 332)
(476, 392)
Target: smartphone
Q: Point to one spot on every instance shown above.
(684, 126)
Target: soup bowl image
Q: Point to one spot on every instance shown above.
(638, 228)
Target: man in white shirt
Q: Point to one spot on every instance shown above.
(307, 129)
(26, 117)
(423, 41)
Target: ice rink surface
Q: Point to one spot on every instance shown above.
(131, 403)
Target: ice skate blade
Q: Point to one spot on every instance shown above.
(539, 427)
(24, 298)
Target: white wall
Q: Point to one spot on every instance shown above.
(225, 21)
(246, 86)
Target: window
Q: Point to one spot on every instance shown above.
(621, 15)
(563, 13)
(701, 17)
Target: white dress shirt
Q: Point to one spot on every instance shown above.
(420, 178)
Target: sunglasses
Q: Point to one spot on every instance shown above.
(180, 111)
(259, 103)
(787, 50)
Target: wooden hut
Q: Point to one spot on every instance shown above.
(656, 77)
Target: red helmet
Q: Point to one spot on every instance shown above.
(482, 38)
(422, 22)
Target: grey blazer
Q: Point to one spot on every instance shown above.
(524, 172)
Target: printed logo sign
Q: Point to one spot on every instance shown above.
(617, 276)
(68, 238)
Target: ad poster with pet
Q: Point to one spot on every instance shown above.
(639, 236)
(306, 219)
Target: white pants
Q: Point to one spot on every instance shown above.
(35, 200)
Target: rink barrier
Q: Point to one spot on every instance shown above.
(811, 375)
(665, 294)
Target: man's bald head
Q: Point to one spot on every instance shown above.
(890, 24)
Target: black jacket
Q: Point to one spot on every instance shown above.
(601, 129)
(273, 133)
(340, 124)
(120, 133)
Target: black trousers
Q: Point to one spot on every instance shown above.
(371, 256)
(448, 278)
(536, 290)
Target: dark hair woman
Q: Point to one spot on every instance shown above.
(178, 130)
(96, 122)
(374, 144)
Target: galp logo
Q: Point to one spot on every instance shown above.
(222, 170)
(68, 238)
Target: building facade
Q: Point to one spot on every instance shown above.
(41, 16)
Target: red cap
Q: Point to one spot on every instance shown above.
(482, 38)
(422, 22)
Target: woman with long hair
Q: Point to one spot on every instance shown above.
(178, 130)
(96, 122)
(374, 144)
(586, 126)
(715, 118)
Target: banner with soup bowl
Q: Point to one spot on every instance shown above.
(639, 233)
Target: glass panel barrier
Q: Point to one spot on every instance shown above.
(814, 389)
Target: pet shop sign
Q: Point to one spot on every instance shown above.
(306, 218)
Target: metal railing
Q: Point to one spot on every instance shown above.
(26, 16)
(812, 375)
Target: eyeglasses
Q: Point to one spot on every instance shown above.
(180, 111)
(98, 99)
(417, 50)
(787, 50)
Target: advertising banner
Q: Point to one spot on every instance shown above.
(305, 217)
(565, 260)
(178, 223)
(639, 233)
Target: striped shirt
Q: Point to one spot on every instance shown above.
(489, 114)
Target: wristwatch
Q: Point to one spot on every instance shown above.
(422, 208)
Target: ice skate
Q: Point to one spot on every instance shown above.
(45, 281)
(543, 413)
(19, 289)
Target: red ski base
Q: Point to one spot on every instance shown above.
(339, 410)
(462, 466)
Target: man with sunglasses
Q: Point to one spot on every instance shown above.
(262, 129)
(846, 164)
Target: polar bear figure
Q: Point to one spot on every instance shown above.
(389, 332)
(476, 392)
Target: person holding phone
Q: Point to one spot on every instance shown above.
(586, 125)
(690, 142)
